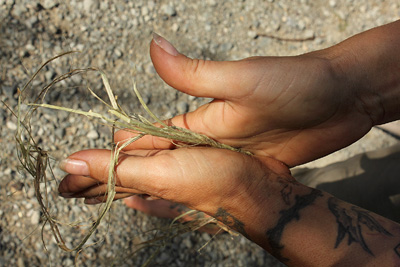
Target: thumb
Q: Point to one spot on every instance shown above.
(202, 78)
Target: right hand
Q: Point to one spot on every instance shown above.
(294, 109)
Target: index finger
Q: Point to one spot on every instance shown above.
(133, 171)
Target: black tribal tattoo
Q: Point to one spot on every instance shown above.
(397, 250)
(287, 189)
(230, 221)
(288, 215)
(351, 222)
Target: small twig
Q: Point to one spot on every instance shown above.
(286, 39)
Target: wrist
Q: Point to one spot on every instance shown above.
(304, 226)
(255, 210)
(369, 63)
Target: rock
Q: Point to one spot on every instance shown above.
(20, 262)
(168, 10)
(9, 91)
(92, 134)
(89, 5)
(35, 217)
(206, 236)
(308, 34)
(301, 25)
(252, 34)
(187, 243)
(11, 125)
(226, 47)
(182, 107)
(19, 10)
(163, 257)
(84, 105)
(118, 53)
(69, 262)
(175, 27)
(49, 4)
(60, 132)
(50, 75)
(144, 11)
(76, 209)
(212, 3)
(31, 22)
(149, 69)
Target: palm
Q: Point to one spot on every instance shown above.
(293, 109)
(294, 119)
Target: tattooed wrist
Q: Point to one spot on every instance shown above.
(397, 250)
(274, 234)
(287, 189)
(353, 222)
(231, 221)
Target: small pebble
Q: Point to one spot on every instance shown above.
(35, 218)
(182, 107)
(169, 10)
(92, 134)
(149, 69)
(11, 125)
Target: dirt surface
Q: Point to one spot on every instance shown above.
(114, 36)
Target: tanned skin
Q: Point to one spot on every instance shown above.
(286, 111)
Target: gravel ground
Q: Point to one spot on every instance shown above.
(115, 37)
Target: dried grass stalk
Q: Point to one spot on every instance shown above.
(36, 161)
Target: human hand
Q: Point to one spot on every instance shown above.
(204, 179)
(270, 106)
(294, 109)
(297, 224)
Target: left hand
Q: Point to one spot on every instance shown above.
(204, 179)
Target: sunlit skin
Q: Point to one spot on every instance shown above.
(274, 107)
(286, 111)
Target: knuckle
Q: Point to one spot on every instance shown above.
(195, 67)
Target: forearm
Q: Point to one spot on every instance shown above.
(302, 226)
(370, 61)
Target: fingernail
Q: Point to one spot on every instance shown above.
(74, 166)
(165, 45)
